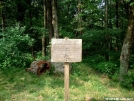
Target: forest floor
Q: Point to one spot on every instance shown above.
(85, 84)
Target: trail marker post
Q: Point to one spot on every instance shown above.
(66, 50)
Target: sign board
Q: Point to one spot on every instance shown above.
(66, 50)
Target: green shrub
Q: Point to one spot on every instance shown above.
(131, 61)
(14, 47)
(107, 67)
(128, 80)
(94, 59)
(94, 41)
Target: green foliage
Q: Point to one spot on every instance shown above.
(14, 47)
(110, 68)
(64, 33)
(128, 80)
(94, 59)
(96, 40)
(132, 4)
(107, 67)
(131, 61)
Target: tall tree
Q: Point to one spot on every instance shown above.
(79, 31)
(117, 14)
(43, 36)
(106, 14)
(2, 19)
(49, 19)
(106, 27)
(128, 41)
(55, 18)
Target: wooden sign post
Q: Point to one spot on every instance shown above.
(66, 50)
(66, 81)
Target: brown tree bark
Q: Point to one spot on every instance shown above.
(43, 45)
(43, 36)
(106, 27)
(117, 22)
(127, 44)
(2, 20)
(49, 19)
(79, 18)
(55, 18)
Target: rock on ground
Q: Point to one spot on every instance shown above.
(59, 66)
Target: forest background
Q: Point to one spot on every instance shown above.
(106, 28)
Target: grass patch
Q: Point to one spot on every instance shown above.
(85, 83)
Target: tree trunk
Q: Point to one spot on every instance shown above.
(106, 14)
(110, 15)
(49, 19)
(117, 14)
(43, 36)
(126, 48)
(55, 18)
(43, 45)
(79, 29)
(106, 27)
(2, 21)
(68, 15)
(117, 23)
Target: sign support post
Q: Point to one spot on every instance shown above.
(66, 81)
(66, 50)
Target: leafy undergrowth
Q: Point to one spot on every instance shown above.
(85, 84)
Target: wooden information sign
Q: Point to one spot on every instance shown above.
(66, 50)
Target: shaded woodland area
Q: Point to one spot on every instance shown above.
(106, 28)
